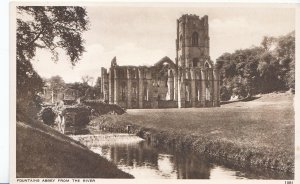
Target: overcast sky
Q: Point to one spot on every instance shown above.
(143, 35)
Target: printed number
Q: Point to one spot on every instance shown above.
(288, 182)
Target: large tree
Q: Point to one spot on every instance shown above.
(51, 28)
(263, 69)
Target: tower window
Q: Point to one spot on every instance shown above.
(180, 40)
(195, 39)
(195, 62)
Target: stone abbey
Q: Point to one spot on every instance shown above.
(190, 81)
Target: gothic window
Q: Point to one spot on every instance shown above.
(206, 65)
(146, 91)
(134, 90)
(125, 74)
(187, 92)
(195, 39)
(158, 82)
(170, 95)
(195, 62)
(207, 92)
(180, 40)
(197, 93)
(123, 91)
(166, 81)
(207, 96)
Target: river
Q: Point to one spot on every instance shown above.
(144, 161)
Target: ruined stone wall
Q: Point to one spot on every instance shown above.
(199, 88)
(190, 82)
(104, 84)
(143, 87)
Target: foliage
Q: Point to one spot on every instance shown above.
(100, 108)
(97, 89)
(263, 69)
(56, 84)
(80, 87)
(46, 27)
(87, 79)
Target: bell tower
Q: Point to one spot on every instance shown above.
(192, 43)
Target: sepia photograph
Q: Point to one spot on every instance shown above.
(153, 91)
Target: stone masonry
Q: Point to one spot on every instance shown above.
(190, 81)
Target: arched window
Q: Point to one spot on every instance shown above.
(180, 40)
(146, 91)
(206, 65)
(195, 39)
(195, 62)
(207, 95)
(187, 92)
(134, 90)
(134, 74)
(123, 91)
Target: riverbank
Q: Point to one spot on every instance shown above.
(43, 152)
(258, 133)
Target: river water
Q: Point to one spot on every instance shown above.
(137, 157)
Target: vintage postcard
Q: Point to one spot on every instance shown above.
(136, 92)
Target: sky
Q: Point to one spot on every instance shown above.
(143, 34)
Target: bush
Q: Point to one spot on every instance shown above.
(77, 115)
(225, 94)
(99, 107)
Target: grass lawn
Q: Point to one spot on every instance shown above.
(42, 152)
(264, 125)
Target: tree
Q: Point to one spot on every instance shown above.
(57, 84)
(268, 42)
(267, 68)
(87, 79)
(98, 82)
(80, 87)
(46, 27)
(97, 88)
(285, 53)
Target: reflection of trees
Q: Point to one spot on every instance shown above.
(187, 166)
(141, 154)
(191, 167)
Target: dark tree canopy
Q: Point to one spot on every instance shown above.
(51, 28)
(262, 69)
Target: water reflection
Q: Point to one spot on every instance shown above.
(144, 161)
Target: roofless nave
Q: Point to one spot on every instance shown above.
(191, 81)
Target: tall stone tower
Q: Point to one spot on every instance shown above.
(197, 80)
(192, 43)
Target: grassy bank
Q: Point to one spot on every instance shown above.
(43, 152)
(258, 133)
